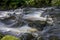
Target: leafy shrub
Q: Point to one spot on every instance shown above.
(30, 2)
(55, 2)
(13, 4)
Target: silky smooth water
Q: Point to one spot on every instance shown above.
(18, 25)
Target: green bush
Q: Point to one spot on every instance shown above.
(9, 4)
(13, 4)
(9, 37)
(30, 2)
(55, 2)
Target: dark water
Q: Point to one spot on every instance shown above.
(15, 24)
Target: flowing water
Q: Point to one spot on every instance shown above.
(17, 25)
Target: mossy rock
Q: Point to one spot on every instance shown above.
(1, 35)
(9, 37)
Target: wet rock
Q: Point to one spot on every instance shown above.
(40, 38)
(27, 36)
(53, 38)
(5, 14)
(37, 24)
(33, 30)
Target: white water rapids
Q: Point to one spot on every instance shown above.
(34, 14)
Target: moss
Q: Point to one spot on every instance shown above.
(9, 37)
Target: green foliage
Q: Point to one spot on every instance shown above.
(9, 4)
(12, 4)
(30, 2)
(9, 37)
(55, 2)
(41, 3)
